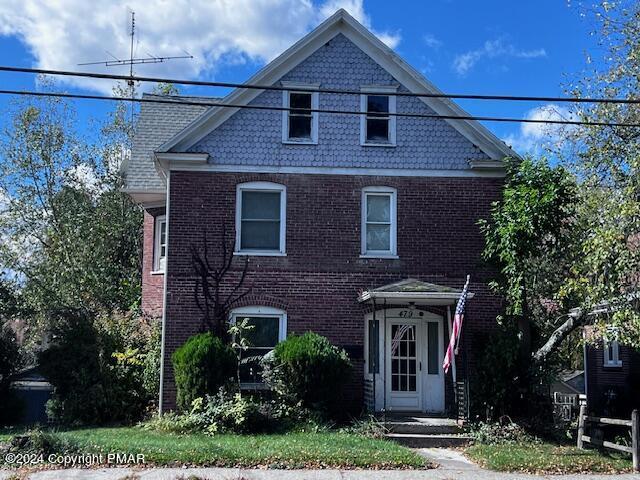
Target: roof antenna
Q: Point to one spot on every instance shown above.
(131, 61)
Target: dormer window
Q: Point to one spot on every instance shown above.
(378, 126)
(299, 121)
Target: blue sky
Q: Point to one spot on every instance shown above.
(490, 47)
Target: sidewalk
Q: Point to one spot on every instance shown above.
(241, 474)
(453, 465)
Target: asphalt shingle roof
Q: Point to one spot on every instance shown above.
(157, 123)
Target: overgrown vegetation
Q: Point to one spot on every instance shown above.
(101, 368)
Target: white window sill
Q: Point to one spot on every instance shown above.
(258, 253)
(613, 365)
(379, 255)
(157, 272)
(300, 142)
(366, 144)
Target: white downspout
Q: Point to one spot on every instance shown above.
(164, 298)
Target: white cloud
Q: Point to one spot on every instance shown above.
(62, 33)
(493, 49)
(432, 41)
(533, 138)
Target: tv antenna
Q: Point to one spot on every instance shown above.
(131, 61)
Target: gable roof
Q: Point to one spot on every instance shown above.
(340, 22)
(412, 290)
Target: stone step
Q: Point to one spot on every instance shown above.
(416, 440)
(423, 428)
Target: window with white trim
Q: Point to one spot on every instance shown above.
(160, 244)
(379, 222)
(612, 354)
(269, 327)
(300, 123)
(260, 218)
(378, 127)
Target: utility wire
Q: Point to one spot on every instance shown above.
(527, 98)
(176, 100)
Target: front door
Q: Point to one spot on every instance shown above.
(404, 367)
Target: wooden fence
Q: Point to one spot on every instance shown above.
(634, 424)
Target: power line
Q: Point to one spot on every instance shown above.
(462, 96)
(176, 100)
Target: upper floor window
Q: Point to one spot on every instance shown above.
(378, 126)
(612, 354)
(160, 244)
(268, 327)
(379, 222)
(260, 218)
(300, 122)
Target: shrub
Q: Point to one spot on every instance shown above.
(37, 442)
(10, 360)
(309, 370)
(503, 432)
(96, 365)
(201, 366)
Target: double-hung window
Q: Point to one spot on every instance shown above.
(260, 218)
(378, 125)
(379, 222)
(160, 244)
(267, 327)
(612, 354)
(299, 121)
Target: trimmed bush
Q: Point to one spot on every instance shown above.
(310, 371)
(201, 366)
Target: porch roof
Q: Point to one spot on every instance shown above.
(412, 291)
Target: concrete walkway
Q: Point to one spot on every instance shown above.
(241, 474)
(453, 465)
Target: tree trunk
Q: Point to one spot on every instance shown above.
(524, 327)
(558, 336)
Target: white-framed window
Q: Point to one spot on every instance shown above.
(612, 354)
(269, 328)
(378, 127)
(379, 222)
(261, 218)
(160, 244)
(300, 123)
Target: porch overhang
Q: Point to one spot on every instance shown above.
(413, 292)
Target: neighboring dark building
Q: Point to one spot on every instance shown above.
(612, 379)
(33, 391)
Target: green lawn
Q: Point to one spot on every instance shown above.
(292, 450)
(548, 458)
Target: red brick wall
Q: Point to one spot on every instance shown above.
(152, 284)
(623, 380)
(318, 281)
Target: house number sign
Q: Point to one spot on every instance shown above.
(406, 313)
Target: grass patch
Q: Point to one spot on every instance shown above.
(548, 458)
(291, 450)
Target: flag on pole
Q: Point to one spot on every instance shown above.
(456, 328)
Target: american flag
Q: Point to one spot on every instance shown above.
(456, 328)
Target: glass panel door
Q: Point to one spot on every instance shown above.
(404, 360)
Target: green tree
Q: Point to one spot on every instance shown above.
(529, 237)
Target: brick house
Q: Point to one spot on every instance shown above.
(362, 228)
(612, 378)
